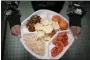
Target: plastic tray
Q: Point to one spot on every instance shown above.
(46, 14)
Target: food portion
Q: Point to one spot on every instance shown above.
(44, 25)
(56, 50)
(38, 26)
(46, 22)
(55, 25)
(40, 35)
(63, 38)
(56, 18)
(45, 28)
(60, 42)
(33, 20)
(63, 25)
(34, 44)
(30, 27)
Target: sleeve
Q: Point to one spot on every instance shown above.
(75, 13)
(13, 14)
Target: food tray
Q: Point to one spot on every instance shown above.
(46, 14)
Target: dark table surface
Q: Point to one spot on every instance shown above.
(80, 50)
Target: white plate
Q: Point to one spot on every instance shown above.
(46, 14)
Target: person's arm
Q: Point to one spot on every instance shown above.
(13, 17)
(12, 13)
(75, 13)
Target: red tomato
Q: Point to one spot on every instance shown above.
(60, 42)
(56, 50)
(59, 49)
(66, 37)
(65, 43)
(60, 38)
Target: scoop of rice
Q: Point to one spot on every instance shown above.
(37, 46)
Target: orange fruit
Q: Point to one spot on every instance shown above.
(63, 25)
(56, 18)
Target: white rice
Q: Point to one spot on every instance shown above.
(37, 46)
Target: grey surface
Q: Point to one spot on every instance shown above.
(80, 50)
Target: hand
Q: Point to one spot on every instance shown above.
(76, 31)
(16, 30)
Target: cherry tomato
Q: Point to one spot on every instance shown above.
(60, 38)
(65, 43)
(59, 49)
(60, 44)
(66, 37)
(56, 50)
